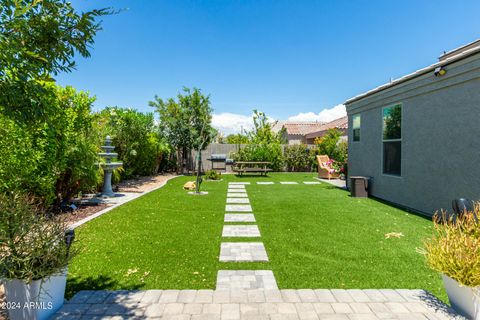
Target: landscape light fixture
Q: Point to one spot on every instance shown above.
(439, 71)
(69, 237)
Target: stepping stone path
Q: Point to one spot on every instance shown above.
(236, 195)
(237, 190)
(238, 200)
(288, 182)
(265, 182)
(243, 252)
(250, 231)
(239, 217)
(236, 186)
(311, 182)
(238, 208)
(246, 279)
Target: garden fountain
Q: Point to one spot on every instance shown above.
(108, 167)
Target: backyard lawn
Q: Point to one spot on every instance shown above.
(316, 236)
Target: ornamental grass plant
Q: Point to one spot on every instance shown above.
(32, 244)
(454, 249)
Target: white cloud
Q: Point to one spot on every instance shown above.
(326, 115)
(228, 123)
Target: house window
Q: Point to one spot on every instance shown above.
(356, 127)
(392, 140)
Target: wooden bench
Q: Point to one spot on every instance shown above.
(241, 167)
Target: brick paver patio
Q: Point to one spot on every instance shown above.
(321, 304)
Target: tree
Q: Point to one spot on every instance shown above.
(262, 132)
(237, 139)
(39, 39)
(186, 123)
(328, 143)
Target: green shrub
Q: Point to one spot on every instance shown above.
(55, 157)
(213, 175)
(32, 245)
(271, 152)
(298, 158)
(136, 139)
(454, 249)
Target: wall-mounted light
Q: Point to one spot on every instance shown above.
(439, 71)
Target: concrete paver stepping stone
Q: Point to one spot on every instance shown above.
(288, 182)
(238, 208)
(265, 182)
(237, 190)
(239, 217)
(236, 195)
(238, 200)
(311, 182)
(248, 231)
(236, 186)
(243, 251)
(246, 280)
(246, 182)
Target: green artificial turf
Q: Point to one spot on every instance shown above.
(316, 236)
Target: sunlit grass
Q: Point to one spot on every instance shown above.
(316, 236)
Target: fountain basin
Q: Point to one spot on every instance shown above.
(110, 166)
(109, 155)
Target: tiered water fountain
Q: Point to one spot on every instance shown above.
(108, 167)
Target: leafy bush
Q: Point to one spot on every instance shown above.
(271, 152)
(298, 158)
(55, 157)
(264, 144)
(32, 245)
(212, 175)
(454, 249)
(136, 139)
(335, 149)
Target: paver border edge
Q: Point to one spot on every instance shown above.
(98, 214)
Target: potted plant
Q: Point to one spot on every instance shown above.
(34, 253)
(454, 251)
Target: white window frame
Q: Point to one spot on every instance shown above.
(392, 140)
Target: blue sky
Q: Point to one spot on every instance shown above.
(282, 57)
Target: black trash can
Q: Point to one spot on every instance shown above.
(359, 186)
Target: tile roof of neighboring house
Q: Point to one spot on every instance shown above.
(445, 59)
(340, 123)
(298, 128)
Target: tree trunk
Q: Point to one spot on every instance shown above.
(199, 171)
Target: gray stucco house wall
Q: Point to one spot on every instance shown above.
(440, 158)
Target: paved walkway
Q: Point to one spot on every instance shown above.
(258, 304)
(253, 294)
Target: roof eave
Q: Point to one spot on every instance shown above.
(415, 74)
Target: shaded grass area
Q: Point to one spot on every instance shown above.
(316, 236)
